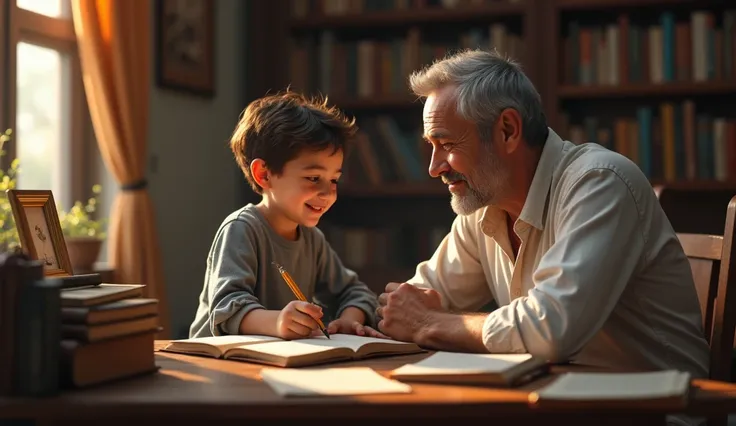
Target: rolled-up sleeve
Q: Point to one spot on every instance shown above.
(231, 279)
(598, 246)
(455, 270)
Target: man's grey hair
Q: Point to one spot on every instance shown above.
(487, 83)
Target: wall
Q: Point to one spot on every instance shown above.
(193, 179)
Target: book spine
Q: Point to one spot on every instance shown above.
(37, 346)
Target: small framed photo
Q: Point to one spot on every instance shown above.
(185, 57)
(39, 229)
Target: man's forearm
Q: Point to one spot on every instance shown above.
(351, 313)
(456, 332)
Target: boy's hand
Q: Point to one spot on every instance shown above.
(350, 326)
(298, 320)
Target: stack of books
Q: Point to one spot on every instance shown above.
(107, 333)
(29, 328)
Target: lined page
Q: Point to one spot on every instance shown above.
(600, 386)
(330, 381)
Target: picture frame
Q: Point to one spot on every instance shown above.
(39, 229)
(184, 40)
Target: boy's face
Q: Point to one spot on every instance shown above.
(307, 187)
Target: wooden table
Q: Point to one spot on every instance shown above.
(205, 391)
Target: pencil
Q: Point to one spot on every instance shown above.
(298, 293)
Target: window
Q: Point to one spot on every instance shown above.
(43, 98)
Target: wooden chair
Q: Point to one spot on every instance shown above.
(713, 262)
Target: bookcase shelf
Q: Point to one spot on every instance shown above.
(646, 89)
(377, 102)
(651, 84)
(389, 212)
(433, 188)
(361, 61)
(590, 5)
(408, 17)
(700, 185)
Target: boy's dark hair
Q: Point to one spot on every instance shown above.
(276, 128)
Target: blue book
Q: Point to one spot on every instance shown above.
(668, 45)
(644, 117)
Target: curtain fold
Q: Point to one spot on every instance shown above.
(114, 49)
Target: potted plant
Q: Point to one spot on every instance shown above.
(83, 232)
(9, 240)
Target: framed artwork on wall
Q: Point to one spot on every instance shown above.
(39, 229)
(184, 34)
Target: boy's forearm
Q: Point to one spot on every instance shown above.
(260, 321)
(352, 313)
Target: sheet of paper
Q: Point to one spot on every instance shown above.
(596, 386)
(445, 363)
(330, 381)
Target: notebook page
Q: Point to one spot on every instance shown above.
(222, 343)
(330, 381)
(228, 340)
(293, 348)
(346, 341)
(442, 363)
(597, 386)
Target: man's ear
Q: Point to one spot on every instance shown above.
(260, 173)
(508, 128)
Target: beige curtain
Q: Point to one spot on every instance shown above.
(114, 48)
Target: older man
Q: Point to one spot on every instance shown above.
(568, 239)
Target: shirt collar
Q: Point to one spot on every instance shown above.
(534, 211)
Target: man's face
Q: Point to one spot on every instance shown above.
(470, 167)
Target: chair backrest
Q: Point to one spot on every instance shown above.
(713, 262)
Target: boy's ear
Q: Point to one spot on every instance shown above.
(260, 173)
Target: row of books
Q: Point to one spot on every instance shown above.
(671, 142)
(699, 49)
(392, 246)
(369, 67)
(304, 8)
(385, 153)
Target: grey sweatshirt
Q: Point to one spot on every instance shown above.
(240, 276)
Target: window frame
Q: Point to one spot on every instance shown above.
(4, 81)
(58, 34)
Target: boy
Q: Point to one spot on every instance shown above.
(291, 152)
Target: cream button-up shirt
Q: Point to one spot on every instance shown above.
(600, 277)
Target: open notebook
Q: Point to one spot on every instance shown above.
(470, 368)
(669, 388)
(291, 353)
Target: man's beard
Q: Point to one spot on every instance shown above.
(484, 184)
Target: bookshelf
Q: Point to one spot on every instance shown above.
(665, 71)
(389, 211)
(650, 79)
